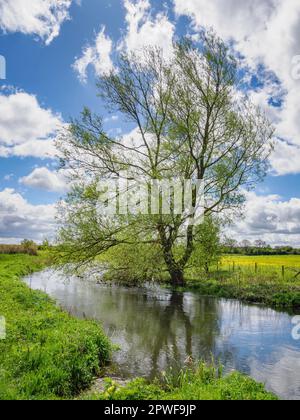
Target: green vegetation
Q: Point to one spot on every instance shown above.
(200, 383)
(132, 265)
(270, 280)
(188, 127)
(259, 247)
(47, 354)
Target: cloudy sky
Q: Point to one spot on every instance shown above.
(55, 49)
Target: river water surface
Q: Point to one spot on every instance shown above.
(157, 328)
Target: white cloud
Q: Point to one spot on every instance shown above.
(97, 56)
(43, 149)
(42, 18)
(285, 158)
(270, 218)
(20, 219)
(22, 118)
(142, 29)
(285, 365)
(232, 18)
(8, 177)
(112, 118)
(44, 179)
(26, 129)
(276, 22)
(265, 32)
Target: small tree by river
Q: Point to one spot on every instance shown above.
(190, 123)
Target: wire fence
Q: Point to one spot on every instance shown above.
(282, 273)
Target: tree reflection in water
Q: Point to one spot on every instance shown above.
(157, 328)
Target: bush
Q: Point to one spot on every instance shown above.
(287, 299)
(29, 247)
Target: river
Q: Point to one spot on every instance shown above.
(157, 329)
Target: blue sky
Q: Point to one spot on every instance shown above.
(54, 50)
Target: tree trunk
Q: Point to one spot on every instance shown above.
(206, 268)
(175, 269)
(177, 278)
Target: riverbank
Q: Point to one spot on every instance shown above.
(198, 383)
(46, 354)
(273, 281)
(260, 289)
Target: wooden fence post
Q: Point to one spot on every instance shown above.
(256, 268)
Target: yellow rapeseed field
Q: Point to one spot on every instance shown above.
(264, 260)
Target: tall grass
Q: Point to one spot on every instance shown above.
(196, 382)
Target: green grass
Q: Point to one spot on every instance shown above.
(272, 265)
(258, 279)
(198, 383)
(47, 354)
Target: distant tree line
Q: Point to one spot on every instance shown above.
(259, 247)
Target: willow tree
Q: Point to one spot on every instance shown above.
(190, 121)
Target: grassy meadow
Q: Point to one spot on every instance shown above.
(269, 280)
(263, 264)
(47, 354)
